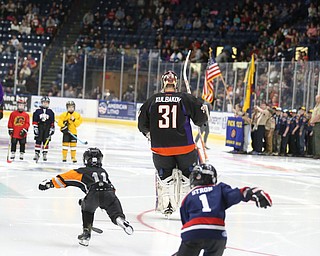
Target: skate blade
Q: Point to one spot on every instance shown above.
(128, 230)
(84, 242)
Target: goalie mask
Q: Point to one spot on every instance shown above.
(204, 174)
(92, 157)
(169, 78)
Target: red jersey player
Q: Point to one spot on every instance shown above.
(18, 126)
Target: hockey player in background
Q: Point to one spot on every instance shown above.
(69, 121)
(203, 211)
(94, 181)
(165, 120)
(43, 128)
(18, 126)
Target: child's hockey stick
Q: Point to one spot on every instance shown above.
(8, 153)
(74, 136)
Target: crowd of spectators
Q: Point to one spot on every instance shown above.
(26, 24)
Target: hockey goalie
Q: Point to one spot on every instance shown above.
(165, 120)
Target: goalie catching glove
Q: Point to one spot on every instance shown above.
(46, 184)
(261, 198)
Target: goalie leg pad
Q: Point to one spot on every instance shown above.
(165, 193)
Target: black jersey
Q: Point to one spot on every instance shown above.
(167, 117)
(83, 178)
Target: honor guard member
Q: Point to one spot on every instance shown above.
(43, 128)
(284, 132)
(165, 120)
(18, 125)
(94, 181)
(203, 211)
(69, 122)
(294, 133)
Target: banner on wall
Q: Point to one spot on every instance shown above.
(234, 132)
(10, 102)
(117, 110)
(86, 108)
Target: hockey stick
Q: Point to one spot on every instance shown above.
(47, 141)
(8, 153)
(185, 72)
(74, 136)
(97, 230)
(185, 78)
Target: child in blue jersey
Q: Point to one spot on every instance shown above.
(203, 211)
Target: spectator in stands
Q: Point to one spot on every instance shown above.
(182, 21)
(209, 24)
(120, 13)
(88, 18)
(25, 72)
(197, 24)
(40, 30)
(51, 25)
(15, 26)
(30, 62)
(35, 22)
(168, 24)
(176, 56)
(129, 23)
(9, 81)
(10, 8)
(25, 28)
(129, 94)
(196, 54)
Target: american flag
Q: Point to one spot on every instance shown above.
(212, 72)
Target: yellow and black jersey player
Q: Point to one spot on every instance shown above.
(69, 122)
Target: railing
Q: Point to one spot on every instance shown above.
(134, 75)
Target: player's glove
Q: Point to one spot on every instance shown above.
(262, 199)
(64, 129)
(36, 131)
(23, 132)
(10, 131)
(46, 184)
(51, 131)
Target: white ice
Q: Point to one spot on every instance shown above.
(34, 222)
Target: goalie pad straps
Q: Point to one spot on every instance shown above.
(171, 191)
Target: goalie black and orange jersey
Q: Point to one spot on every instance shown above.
(167, 117)
(82, 178)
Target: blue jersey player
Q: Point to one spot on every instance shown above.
(203, 211)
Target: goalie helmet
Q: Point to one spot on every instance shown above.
(203, 174)
(92, 157)
(45, 101)
(169, 77)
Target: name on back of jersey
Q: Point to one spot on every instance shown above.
(168, 99)
(201, 190)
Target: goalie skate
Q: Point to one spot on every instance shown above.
(84, 238)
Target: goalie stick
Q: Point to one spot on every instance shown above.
(185, 78)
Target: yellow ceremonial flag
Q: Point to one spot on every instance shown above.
(249, 79)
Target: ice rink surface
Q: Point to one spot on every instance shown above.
(34, 222)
